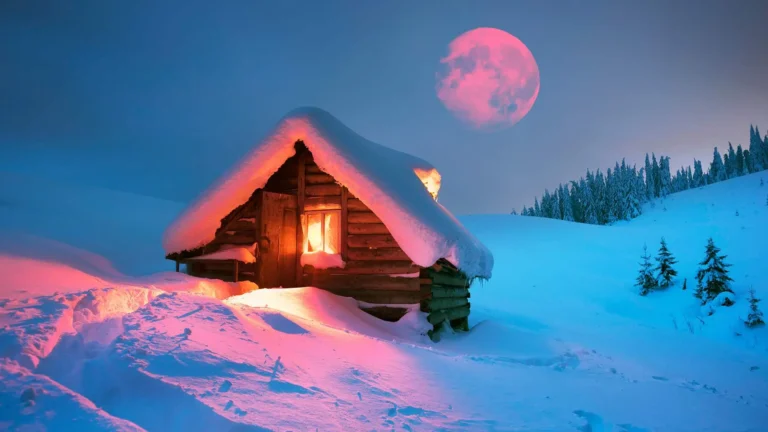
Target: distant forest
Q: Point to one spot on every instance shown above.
(620, 193)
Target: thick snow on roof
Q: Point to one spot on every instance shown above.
(384, 179)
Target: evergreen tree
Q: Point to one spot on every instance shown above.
(712, 276)
(645, 280)
(656, 176)
(514, 212)
(740, 166)
(698, 174)
(716, 169)
(664, 270)
(536, 208)
(755, 317)
(665, 178)
(685, 284)
(648, 178)
(748, 162)
(730, 162)
(756, 150)
(590, 204)
(566, 203)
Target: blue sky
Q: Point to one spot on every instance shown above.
(159, 98)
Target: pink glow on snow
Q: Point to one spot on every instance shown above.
(322, 260)
(491, 78)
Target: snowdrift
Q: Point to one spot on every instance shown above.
(560, 339)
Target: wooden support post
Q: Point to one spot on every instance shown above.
(177, 266)
(302, 165)
(237, 269)
(343, 223)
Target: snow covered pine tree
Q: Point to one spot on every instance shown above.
(664, 270)
(755, 317)
(645, 280)
(713, 276)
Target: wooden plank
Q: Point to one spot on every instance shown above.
(449, 280)
(367, 229)
(312, 168)
(322, 190)
(449, 314)
(355, 204)
(344, 224)
(447, 303)
(363, 217)
(372, 282)
(322, 203)
(371, 241)
(237, 270)
(439, 291)
(376, 268)
(286, 261)
(381, 254)
(300, 200)
(378, 296)
(317, 179)
(240, 225)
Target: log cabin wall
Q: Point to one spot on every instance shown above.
(377, 270)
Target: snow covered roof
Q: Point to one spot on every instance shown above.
(391, 183)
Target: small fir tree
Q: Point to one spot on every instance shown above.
(664, 270)
(645, 280)
(685, 284)
(712, 276)
(755, 317)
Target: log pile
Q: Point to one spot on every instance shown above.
(445, 295)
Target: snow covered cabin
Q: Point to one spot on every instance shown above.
(315, 204)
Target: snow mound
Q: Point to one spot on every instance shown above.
(237, 254)
(322, 260)
(385, 180)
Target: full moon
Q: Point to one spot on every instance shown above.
(489, 78)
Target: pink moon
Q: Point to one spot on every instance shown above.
(490, 78)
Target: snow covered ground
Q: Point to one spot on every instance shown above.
(92, 337)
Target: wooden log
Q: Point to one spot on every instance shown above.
(344, 216)
(367, 229)
(381, 254)
(448, 279)
(439, 291)
(376, 268)
(321, 279)
(425, 280)
(240, 225)
(371, 241)
(300, 203)
(363, 217)
(312, 168)
(323, 190)
(448, 314)
(355, 204)
(322, 203)
(447, 303)
(318, 179)
(236, 270)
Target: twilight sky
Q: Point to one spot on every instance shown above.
(159, 98)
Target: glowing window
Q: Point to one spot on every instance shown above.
(321, 231)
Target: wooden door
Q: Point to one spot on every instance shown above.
(277, 244)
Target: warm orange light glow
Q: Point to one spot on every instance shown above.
(431, 179)
(321, 232)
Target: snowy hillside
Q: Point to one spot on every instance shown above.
(560, 338)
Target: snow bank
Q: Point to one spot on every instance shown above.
(322, 260)
(389, 182)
